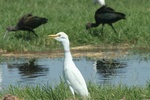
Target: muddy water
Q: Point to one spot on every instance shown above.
(133, 70)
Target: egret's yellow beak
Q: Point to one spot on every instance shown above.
(52, 36)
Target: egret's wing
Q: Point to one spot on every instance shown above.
(75, 79)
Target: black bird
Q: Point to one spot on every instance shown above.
(105, 8)
(106, 15)
(27, 23)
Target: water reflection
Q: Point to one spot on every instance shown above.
(108, 67)
(33, 71)
(29, 69)
(41, 71)
(0, 78)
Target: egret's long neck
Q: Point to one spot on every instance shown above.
(66, 46)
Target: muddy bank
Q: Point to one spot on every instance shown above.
(105, 51)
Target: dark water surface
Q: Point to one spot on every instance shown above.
(129, 71)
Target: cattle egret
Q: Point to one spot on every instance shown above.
(72, 75)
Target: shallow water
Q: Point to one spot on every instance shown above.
(129, 71)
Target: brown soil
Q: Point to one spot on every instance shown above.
(105, 51)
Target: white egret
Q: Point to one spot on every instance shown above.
(101, 2)
(72, 75)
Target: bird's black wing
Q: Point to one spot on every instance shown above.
(109, 17)
(34, 21)
(23, 19)
(104, 9)
(109, 8)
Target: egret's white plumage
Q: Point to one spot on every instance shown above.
(101, 2)
(72, 75)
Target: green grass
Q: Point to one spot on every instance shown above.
(71, 17)
(62, 92)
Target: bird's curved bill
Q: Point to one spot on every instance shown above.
(52, 36)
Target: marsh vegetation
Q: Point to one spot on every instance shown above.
(71, 17)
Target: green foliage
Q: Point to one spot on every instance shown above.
(71, 17)
(62, 92)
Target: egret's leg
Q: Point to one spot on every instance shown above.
(71, 90)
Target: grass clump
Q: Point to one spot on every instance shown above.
(71, 18)
(62, 92)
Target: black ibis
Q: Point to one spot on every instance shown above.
(106, 15)
(28, 23)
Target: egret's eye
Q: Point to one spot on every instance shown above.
(59, 35)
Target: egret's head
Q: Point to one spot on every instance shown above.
(61, 37)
